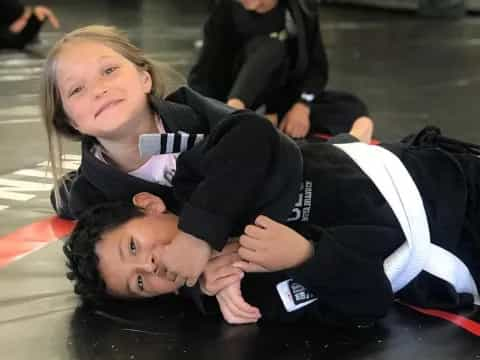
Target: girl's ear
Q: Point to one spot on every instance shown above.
(147, 82)
(151, 204)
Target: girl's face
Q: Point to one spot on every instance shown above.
(102, 92)
(259, 6)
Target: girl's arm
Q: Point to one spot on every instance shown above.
(343, 266)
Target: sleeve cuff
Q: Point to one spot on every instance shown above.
(212, 228)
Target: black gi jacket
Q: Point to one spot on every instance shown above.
(214, 73)
(213, 194)
(353, 230)
(351, 225)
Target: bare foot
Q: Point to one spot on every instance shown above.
(362, 129)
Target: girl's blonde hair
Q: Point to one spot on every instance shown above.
(57, 124)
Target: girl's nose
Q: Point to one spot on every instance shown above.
(101, 88)
(101, 91)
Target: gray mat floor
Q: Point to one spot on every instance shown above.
(411, 71)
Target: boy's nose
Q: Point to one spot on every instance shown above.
(150, 265)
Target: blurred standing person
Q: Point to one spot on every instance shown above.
(20, 24)
(269, 54)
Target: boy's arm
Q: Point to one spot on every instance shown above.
(344, 271)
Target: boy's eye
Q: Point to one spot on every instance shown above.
(133, 247)
(140, 282)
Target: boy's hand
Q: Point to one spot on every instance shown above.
(219, 273)
(185, 257)
(273, 246)
(234, 308)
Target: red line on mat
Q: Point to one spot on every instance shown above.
(459, 320)
(32, 237)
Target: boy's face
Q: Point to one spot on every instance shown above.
(259, 6)
(130, 256)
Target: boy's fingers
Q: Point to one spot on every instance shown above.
(243, 307)
(232, 317)
(191, 281)
(222, 261)
(225, 281)
(249, 266)
(180, 281)
(227, 271)
(240, 307)
(176, 278)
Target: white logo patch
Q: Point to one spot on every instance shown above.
(294, 295)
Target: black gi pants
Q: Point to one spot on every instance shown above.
(262, 78)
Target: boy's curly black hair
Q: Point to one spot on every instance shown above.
(79, 248)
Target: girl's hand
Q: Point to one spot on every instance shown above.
(234, 308)
(273, 246)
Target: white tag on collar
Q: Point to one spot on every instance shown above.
(294, 295)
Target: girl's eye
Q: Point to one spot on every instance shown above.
(75, 91)
(133, 247)
(140, 282)
(110, 69)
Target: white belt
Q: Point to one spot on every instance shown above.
(418, 253)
